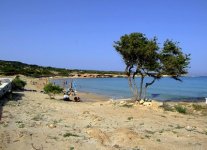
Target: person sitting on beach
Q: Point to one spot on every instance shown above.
(77, 99)
(71, 92)
(66, 97)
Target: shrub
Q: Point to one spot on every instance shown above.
(158, 140)
(18, 84)
(130, 118)
(63, 73)
(197, 107)
(51, 89)
(180, 109)
(167, 107)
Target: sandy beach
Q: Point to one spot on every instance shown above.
(32, 121)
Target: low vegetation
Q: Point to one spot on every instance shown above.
(185, 108)
(197, 107)
(20, 124)
(130, 118)
(15, 68)
(68, 134)
(38, 117)
(18, 84)
(167, 107)
(180, 109)
(202, 109)
(51, 90)
(158, 140)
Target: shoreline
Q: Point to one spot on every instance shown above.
(38, 84)
(171, 94)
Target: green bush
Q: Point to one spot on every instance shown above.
(180, 109)
(18, 84)
(51, 89)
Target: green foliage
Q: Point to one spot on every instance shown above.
(180, 109)
(158, 140)
(179, 127)
(127, 105)
(174, 62)
(52, 89)
(38, 117)
(14, 68)
(138, 51)
(18, 84)
(63, 73)
(130, 118)
(20, 124)
(72, 148)
(144, 57)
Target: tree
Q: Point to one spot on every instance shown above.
(51, 90)
(143, 57)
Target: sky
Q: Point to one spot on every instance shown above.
(79, 34)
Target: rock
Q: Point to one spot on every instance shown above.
(141, 101)
(86, 112)
(205, 131)
(122, 103)
(148, 100)
(111, 101)
(52, 126)
(147, 103)
(130, 104)
(189, 128)
(136, 103)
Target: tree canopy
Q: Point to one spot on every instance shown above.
(144, 57)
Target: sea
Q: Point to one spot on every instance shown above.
(165, 89)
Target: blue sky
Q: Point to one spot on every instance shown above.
(79, 34)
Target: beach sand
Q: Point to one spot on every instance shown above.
(32, 121)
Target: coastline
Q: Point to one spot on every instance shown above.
(191, 89)
(38, 84)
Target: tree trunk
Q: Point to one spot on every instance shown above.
(146, 85)
(133, 87)
(130, 85)
(145, 92)
(141, 85)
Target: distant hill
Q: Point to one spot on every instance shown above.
(15, 67)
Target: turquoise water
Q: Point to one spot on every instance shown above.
(190, 89)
